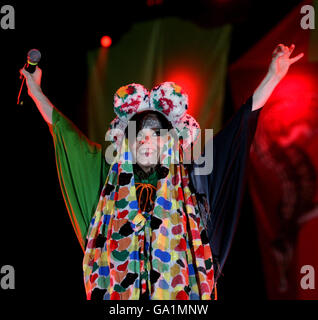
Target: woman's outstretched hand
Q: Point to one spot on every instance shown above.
(278, 68)
(281, 60)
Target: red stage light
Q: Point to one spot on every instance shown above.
(106, 41)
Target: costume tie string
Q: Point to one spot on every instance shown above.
(149, 188)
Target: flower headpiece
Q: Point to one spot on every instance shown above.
(167, 98)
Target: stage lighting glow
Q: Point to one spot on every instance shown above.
(293, 98)
(106, 41)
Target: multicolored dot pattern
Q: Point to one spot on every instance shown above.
(164, 252)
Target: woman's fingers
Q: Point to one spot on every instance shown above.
(277, 49)
(25, 73)
(280, 50)
(293, 60)
(290, 50)
(287, 51)
(22, 72)
(37, 75)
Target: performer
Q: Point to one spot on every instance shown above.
(152, 228)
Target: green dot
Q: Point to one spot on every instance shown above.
(121, 204)
(134, 266)
(158, 211)
(103, 282)
(208, 263)
(116, 236)
(160, 266)
(118, 288)
(95, 266)
(120, 255)
(127, 167)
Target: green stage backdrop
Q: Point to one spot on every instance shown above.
(165, 49)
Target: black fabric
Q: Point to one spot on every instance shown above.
(224, 187)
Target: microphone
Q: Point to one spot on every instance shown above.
(33, 58)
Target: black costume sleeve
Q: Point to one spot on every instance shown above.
(222, 190)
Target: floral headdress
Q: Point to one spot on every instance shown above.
(166, 98)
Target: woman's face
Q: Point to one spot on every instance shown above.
(148, 144)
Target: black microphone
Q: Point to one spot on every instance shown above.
(33, 58)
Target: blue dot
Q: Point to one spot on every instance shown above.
(191, 269)
(103, 271)
(164, 231)
(166, 204)
(194, 296)
(133, 204)
(162, 255)
(134, 255)
(115, 167)
(163, 284)
(106, 219)
(137, 283)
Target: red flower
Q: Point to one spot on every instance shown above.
(133, 105)
(130, 90)
(166, 102)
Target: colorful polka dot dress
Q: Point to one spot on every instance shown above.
(162, 253)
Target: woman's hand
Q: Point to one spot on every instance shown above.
(33, 80)
(278, 68)
(281, 61)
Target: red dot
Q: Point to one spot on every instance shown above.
(93, 277)
(106, 41)
(122, 267)
(181, 295)
(115, 296)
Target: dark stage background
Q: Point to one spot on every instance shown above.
(36, 236)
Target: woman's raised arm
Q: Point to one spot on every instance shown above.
(278, 68)
(33, 82)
